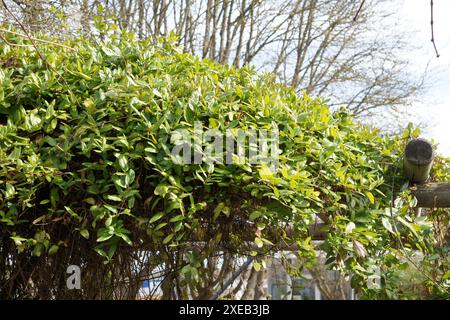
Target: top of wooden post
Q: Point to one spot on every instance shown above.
(418, 160)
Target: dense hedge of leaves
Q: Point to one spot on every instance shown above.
(86, 173)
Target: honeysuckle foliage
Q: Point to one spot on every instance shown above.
(86, 166)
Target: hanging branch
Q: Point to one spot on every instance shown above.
(432, 30)
(359, 10)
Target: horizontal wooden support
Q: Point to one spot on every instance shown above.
(432, 195)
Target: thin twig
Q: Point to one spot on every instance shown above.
(359, 10)
(34, 39)
(14, 44)
(432, 30)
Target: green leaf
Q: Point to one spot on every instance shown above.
(53, 249)
(119, 180)
(265, 173)
(39, 219)
(114, 198)
(112, 249)
(101, 252)
(108, 221)
(161, 189)
(130, 177)
(10, 191)
(34, 119)
(218, 210)
(370, 197)
(161, 225)
(84, 233)
(105, 236)
(267, 241)
(110, 52)
(110, 208)
(387, 224)
(37, 251)
(125, 238)
(123, 163)
(18, 240)
(254, 215)
(156, 217)
(408, 225)
(177, 218)
(72, 213)
(446, 276)
(259, 243)
(91, 201)
(168, 238)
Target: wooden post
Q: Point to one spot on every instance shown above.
(418, 160)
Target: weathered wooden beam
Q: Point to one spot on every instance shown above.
(432, 195)
(418, 160)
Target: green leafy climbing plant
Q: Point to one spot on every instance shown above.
(87, 177)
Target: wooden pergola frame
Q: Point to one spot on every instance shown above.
(418, 161)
